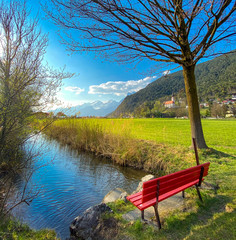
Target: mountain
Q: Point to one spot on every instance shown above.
(97, 109)
(214, 78)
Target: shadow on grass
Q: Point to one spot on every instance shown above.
(222, 226)
(213, 153)
(211, 221)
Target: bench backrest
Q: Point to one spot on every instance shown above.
(172, 181)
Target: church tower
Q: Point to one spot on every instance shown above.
(172, 98)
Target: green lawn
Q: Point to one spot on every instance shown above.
(216, 217)
(219, 134)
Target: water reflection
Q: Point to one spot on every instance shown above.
(70, 183)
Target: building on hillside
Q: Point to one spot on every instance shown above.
(170, 104)
(228, 101)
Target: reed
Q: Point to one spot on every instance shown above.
(115, 141)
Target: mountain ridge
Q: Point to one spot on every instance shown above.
(96, 108)
(216, 77)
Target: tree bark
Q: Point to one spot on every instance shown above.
(193, 106)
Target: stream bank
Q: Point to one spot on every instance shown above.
(120, 148)
(69, 182)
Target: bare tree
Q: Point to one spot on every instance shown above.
(169, 31)
(26, 85)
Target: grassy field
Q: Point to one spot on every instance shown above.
(219, 134)
(147, 143)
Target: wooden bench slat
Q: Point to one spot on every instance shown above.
(170, 184)
(137, 202)
(175, 175)
(162, 197)
(134, 195)
(167, 186)
(177, 184)
(133, 199)
(194, 174)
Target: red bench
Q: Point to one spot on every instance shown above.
(161, 188)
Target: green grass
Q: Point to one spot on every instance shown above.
(219, 134)
(215, 218)
(166, 142)
(11, 229)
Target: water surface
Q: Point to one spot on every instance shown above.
(69, 182)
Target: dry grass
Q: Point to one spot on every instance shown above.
(119, 146)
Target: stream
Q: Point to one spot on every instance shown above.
(69, 182)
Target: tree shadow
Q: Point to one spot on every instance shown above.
(205, 223)
(211, 152)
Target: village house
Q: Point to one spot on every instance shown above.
(170, 104)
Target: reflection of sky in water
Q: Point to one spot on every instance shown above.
(70, 183)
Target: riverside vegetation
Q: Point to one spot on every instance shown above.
(161, 146)
(10, 229)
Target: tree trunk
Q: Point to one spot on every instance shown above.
(193, 106)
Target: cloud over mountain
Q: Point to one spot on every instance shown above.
(120, 88)
(76, 90)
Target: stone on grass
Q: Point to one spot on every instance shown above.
(144, 179)
(114, 195)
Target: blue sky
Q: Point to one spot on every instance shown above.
(95, 78)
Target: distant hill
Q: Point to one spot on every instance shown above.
(97, 109)
(214, 78)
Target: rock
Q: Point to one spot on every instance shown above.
(114, 195)
(106, 229)
(90, 223)
(123, 196)
(72, 238)
(85, 225)
(144, 179)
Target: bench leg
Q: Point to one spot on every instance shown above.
(142, 215)
(157, 216)
(183, 195)
(198, 192)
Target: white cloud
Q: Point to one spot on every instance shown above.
(77, 90)
(120, 88)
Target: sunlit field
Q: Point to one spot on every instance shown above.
(161, 146)
(219, 134)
